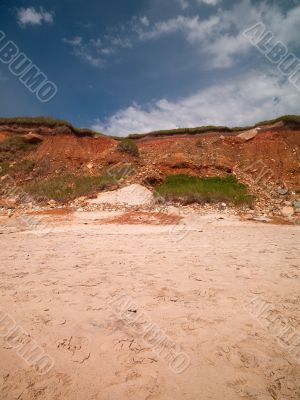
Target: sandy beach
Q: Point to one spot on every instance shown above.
(194, 282)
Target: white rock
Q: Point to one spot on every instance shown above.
(173, 210)
(248, 135)
(52, 203)
(133, 195)
(287, 211)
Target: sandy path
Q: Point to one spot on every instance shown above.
(59, 289)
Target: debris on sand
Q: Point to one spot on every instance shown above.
(142, 217)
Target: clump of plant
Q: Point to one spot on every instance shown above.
(4, 168)
(201, 144)
(68, 187)
(16, 143)
(191, 189)
(128, 146)
(24, 166)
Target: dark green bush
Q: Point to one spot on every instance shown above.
(191, 189)
(128, 146)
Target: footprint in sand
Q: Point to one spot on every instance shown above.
(77, 346)
(290, 275)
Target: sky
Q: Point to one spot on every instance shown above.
(140, 65)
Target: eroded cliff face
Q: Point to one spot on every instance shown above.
(271, 154)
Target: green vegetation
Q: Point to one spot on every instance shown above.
(55, 123)
(68, 187)
(16, 143)
(48, 122)
(184, 131)
(4, 168)
(190, 189)
(24, 166)
(292, 119)
(128, 146)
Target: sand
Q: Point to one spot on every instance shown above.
(191, 282)
(133, 195)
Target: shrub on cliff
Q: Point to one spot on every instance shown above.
(128, 146)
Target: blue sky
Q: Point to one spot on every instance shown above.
(140, 65)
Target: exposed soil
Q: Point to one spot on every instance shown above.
(269, 159)
(141, 217)
(54, 211)
(72, 152)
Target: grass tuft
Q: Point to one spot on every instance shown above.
(190, 189)
(68, 187)
(16, 143)
(48, 122)
(128, 146)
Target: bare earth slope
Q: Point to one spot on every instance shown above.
(277, 148)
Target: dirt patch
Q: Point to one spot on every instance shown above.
(54, 211)
(3, 136)
(274, 220)
(141, 217)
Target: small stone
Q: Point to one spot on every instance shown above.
(296, 204)
(282, 191)
(287, 211)
(89, 166)
(173, 210)
(33, 138)
(262, 218)
(52, 203)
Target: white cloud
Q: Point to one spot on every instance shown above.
(184, 4)
(219, 38)
(209, 2)
(31, 16)
(145, 21)
(241, 101)
(221, 34)
(92, 51)
(192, 27)
(76, 41)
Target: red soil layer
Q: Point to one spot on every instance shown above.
(202, 155)
(141, 217)
(278, 151)
(72, 150)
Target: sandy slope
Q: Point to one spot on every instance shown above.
(59, 288)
